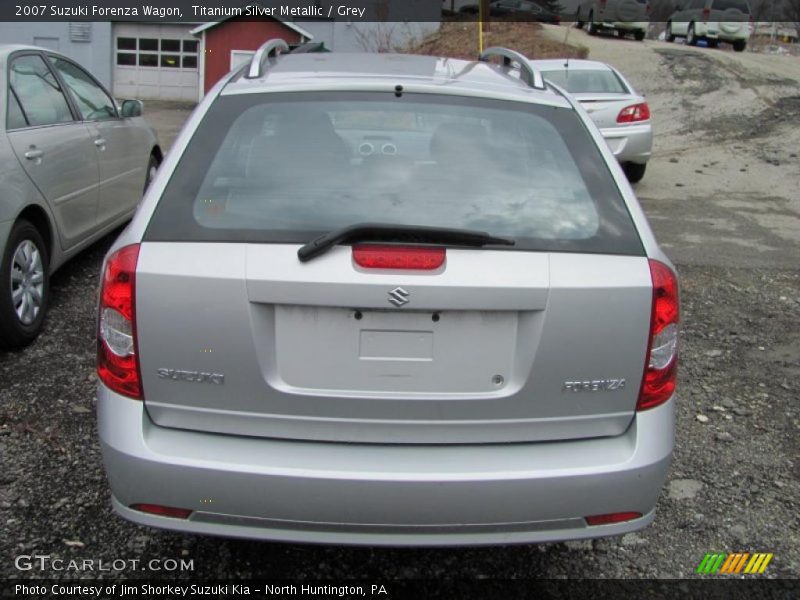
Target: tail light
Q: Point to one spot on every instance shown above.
(661, 364)
(706, 14)
(163, 511)
(612, 518)
(398, 257)
(117, 362)
(634, 113)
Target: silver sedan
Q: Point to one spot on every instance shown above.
(73, 164)
(616, 108)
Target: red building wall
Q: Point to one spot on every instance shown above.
(238, 34)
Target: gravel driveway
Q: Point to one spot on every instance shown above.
(736, 475)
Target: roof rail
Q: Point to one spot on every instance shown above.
(267, 50)
(528, 73)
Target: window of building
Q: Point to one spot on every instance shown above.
(155, 53)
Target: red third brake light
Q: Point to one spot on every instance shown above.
(398, 257)
(117, 362)
(634, 113)
(661, 363)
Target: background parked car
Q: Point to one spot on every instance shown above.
(623, 16)
(616, 108)
(518, 9)
(74, 166)
(711, 20)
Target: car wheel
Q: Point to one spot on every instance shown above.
(691, 38)
(669, 36)
(739, 45)
(634, 171)
(592, 28)
(152, 169)
(638, 35)
(24, 286)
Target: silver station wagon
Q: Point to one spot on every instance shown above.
(388, 300)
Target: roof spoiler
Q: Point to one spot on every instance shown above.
(528, 73)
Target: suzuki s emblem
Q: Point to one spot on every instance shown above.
(398, 296)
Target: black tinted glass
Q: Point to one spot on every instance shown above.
(287, 167)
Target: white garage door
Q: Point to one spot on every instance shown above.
(155, 61)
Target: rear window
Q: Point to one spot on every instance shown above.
(288, 167)
(740, 5)
(577, 81)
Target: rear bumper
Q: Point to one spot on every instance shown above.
(627, 25)
(382, 495)
(632, 143)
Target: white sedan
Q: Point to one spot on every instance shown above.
(621, 114)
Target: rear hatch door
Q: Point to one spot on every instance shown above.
(542, 340)
(496, 346)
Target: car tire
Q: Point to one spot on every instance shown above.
(634, 171)
(638, 35)
(591, 28)
(691, 38)
(739, 45)
(152, 169)
(668, 35)
(25, 258)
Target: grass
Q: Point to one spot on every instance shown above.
(459, 39)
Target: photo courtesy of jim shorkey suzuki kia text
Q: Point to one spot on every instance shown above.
(192, 590)
(148, 10)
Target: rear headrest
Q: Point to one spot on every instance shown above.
(465, 142)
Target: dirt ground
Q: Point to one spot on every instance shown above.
(723, 186)
(721, 193)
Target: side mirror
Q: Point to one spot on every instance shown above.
(132, 108)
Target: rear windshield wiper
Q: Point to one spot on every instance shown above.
(386, 232)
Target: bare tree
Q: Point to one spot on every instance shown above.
(791, 12)
(377, 37)
(661, 10)
(765, 10)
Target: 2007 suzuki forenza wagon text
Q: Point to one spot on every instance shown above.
(384, 299)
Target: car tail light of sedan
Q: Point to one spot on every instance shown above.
(117, 362)
(634, 113)
(661, 364)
